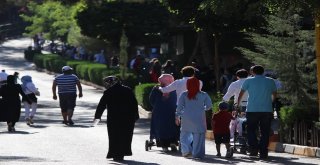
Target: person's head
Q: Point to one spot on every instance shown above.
(193, 87)
(165, 79)
(110, 81)
(223, 106)
(3, 70)
(242, 73)
(26, 79)
(188, 71)
(67, 70)
(16, 74)
(257, 70)
(11, 80)
(168, 63)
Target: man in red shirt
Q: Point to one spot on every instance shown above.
(220, 127)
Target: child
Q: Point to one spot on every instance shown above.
(31, 91)
(220, 126)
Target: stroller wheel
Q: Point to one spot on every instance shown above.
(147, 145)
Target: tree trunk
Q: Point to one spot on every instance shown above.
(195, 49)
(216, 60)
(317, 42)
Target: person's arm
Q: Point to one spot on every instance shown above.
(79, 88)
(239, 97)
(152, 96)
(54, 88)
(171, 87)
(101, 106)
(274, 96)
(180, 107)
(230, 92)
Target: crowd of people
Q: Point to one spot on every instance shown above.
(179, 109)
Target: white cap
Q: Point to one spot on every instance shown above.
(66, 68)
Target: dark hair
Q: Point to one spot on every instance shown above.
(188, 71)
(242, 73)
(258, 69)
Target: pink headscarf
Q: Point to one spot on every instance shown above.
(165, 79)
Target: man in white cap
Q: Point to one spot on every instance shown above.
(67, 91)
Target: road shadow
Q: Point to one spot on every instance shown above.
(5, 159)
(18, 132)
(132, 162)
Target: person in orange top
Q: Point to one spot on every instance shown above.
(220, 127)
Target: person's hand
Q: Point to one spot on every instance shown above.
(178, 121)
(54, 97)
(80, 95)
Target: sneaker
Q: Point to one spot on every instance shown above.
(71, 122)
(173, 147)
(218, 155)
(31, 121)
(187, 155)
(65, 122)
(229, 154)
(28, 121)
(253, 153)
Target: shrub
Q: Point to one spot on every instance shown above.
(82, 71)
(142, 93)
(95, 73)
(74, 63)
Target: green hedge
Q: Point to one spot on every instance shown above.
(142, 93)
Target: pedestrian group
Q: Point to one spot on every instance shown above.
(178, 114)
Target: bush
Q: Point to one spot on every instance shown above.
(74, 63)
(142, 93)
(95, 72)
(30, 53)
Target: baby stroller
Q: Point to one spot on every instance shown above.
(240, 142)
(164, 141)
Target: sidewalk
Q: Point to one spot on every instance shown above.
(273, 146)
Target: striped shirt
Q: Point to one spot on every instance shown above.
(66, 83)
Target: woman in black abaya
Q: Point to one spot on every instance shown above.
(122, 114)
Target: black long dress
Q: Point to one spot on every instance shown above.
(11, 102)
(122, 114)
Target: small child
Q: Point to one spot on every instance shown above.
(220, 126)
(31, 91)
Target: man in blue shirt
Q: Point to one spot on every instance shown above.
(261, 91)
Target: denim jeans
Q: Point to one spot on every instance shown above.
(258, 125)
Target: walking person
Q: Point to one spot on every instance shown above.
(233, 91)
(32, 92)
(67, 91)
(180, 85)
(122, 114)
(11, 103)
(163, 127)
(190, 114)
(220, 127)
(261, 91)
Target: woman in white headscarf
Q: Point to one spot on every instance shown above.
(31, 91)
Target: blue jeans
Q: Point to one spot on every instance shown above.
(261, 120)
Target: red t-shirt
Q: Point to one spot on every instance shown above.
(222, 121)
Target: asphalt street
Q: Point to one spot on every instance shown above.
(49, 142)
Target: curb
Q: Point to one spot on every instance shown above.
(294, 149)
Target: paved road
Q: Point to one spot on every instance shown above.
(50, 142)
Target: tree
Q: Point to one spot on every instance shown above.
(214, 18)
(140, 20)
(123, 55)
(287, 49)
(314, 6)
(50, 18)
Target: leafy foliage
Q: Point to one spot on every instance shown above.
(289, 50)
(109, 18)
(51, 18)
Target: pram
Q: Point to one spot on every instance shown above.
(240, 142)
(155, 141)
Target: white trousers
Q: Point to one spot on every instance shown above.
(28, 107)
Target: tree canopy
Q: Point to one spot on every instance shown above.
(139, 20)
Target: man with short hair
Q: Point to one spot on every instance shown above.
(67, 91)
(233, 91)
(262, 90)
